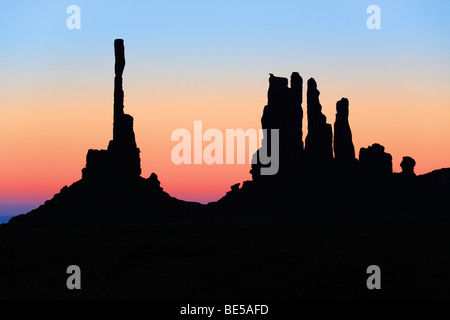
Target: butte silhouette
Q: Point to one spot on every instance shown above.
(111, 190)
(322, 174)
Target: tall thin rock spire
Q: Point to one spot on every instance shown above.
(122, 156)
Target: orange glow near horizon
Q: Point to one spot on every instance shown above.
(46, 136)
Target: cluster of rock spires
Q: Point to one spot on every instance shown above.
(283, 112)
(315, 160)
(310, 177)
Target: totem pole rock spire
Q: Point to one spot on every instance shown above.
(122, 156)
(123, 134)
(119, 53)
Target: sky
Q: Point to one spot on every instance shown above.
(210, 61)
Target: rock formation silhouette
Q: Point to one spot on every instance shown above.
(344, 151)
(319, 218)
(310, 178)
(374, 162)
(318, 143)
(407, 166)
(111, 190)
(283, 112)
(121, 159)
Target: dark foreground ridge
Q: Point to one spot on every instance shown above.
(310, 176)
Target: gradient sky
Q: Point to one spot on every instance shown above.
(210, 61)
